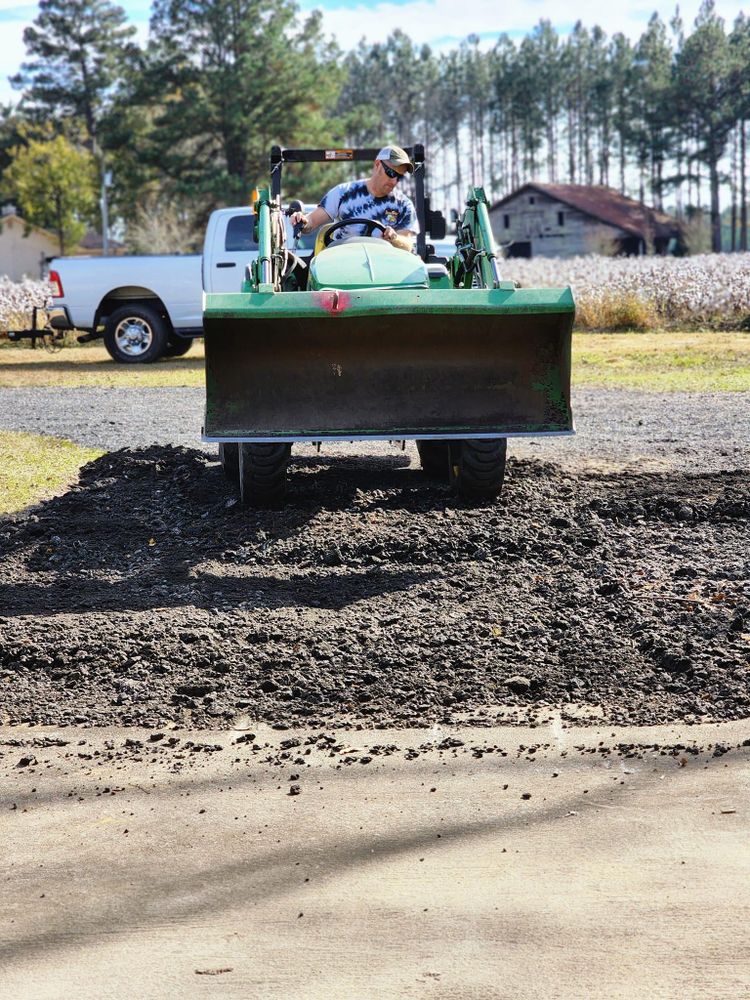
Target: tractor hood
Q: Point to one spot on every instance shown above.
(370, 264)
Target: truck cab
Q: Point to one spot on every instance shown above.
(148, 307)
(231, 244)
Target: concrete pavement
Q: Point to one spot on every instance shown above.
(546, 862)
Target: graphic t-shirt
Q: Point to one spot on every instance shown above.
(352, 200)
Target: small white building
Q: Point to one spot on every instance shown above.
(567, 220)
(24, 249)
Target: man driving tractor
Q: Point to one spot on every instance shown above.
(375, 197)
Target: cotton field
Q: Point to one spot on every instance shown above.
(610, 291)
(17, 299)
(709, 288)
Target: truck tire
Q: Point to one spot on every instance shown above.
(177, 347)
(135, 334)
(434, 456)
(262, 473)
(477, 467)
(229, 456)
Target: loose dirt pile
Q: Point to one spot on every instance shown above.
(147, 595)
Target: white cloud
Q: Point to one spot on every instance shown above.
(432, 21)
(12, 54)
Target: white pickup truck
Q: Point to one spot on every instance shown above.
(150, 307)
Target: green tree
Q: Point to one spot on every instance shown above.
(653, 106)
(55, 185)
(11, 135)
(578, 88)
(705, 99)
(506, 111)
(739, 41)
(546, 44)
(528, 106)
(450, 105)
(358, 106)
(620, 68)
(227, 79)
(78, 49)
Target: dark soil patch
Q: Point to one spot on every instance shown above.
(146, 595)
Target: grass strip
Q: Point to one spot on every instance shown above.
(82, 365)
(34, 467)
(665, 361)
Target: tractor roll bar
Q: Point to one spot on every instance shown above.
(280, 156)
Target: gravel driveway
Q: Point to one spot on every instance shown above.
(610, 580)
(617, 429)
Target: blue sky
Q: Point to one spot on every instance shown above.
(440, 23)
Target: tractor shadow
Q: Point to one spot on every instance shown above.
(160, 527)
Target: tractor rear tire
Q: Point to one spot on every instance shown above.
(477, 467)
(262, 473)
(229, 456)
(435, 459)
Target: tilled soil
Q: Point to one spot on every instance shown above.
(147, 595)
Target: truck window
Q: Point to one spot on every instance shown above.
(239, 236)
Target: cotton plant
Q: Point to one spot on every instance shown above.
(17, 301)
(705, 288)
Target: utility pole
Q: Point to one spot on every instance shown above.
(106, 182)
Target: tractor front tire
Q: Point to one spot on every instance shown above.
(229, 456)
(262, 473)
(435, 459)
(477, 467)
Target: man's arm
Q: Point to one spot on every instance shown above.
(316, 218)
(402, 239)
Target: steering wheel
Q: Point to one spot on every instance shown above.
(370, 226)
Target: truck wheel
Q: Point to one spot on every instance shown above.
(229, 456)
(434, 457)
(177, 347)
(477, 467)
(135, 334)
(262, 473)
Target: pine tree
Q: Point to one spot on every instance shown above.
(79, 47)
(739, 41)
(705, 99)
(226, 80)
(653, 106)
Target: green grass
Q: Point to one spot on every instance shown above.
(664, 362)
(702, 361)
(33, 467)
(89, 365)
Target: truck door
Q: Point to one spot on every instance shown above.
(233, 251)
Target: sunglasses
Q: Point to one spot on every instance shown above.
(390, 172)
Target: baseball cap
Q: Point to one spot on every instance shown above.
(395, 156)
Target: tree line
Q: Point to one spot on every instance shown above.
(178, 126)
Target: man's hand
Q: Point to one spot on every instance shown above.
(398, 240)
(297, 217)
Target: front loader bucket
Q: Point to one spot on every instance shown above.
(387, 363)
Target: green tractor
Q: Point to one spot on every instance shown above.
(363, 341)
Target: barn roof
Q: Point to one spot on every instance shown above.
(606, 205)
(93, 240)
